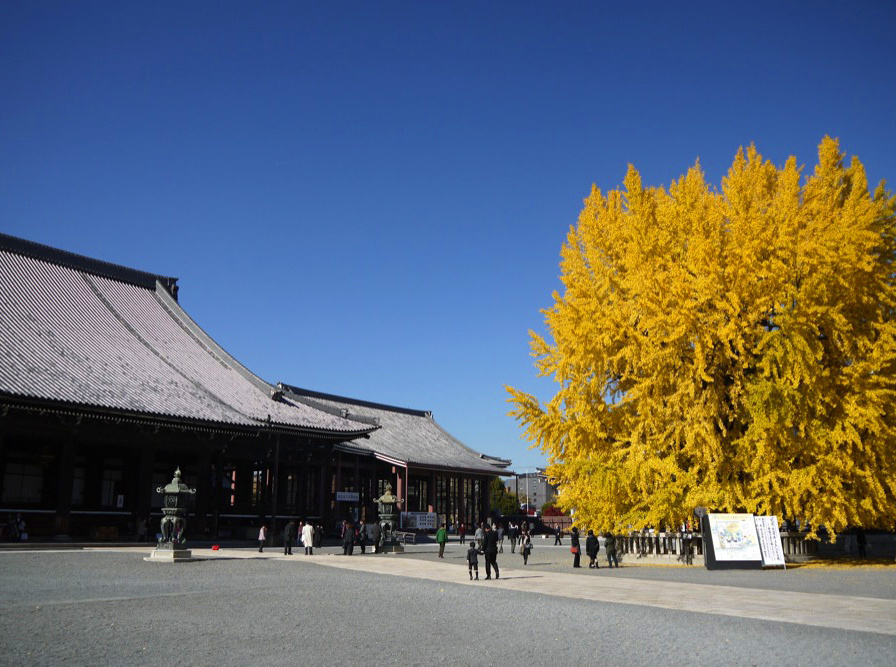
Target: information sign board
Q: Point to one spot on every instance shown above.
(347, 496)
(734, 537)
(418, 520)
(770, 540)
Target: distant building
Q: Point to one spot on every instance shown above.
(107, 385)
(534, 486)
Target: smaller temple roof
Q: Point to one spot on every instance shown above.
(405, 437)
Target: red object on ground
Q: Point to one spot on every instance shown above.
(215, 547)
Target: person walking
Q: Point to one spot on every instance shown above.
(686, 541)
(526, 547)
(592, 546)
(473, 561)
(318, 536)
(348, 537)
(262, 537)
(610, 548)
(558, 533)
(575, 548)
(500, 539)
(441, 538)
(462, 533)
(308, 537)
(512, 534)
(362, 536)
(289, 536)
(376, 536)
(479, 535)
(490, 547)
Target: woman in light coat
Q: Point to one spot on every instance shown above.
(262, 538)
(308, 538)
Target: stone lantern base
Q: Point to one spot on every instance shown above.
(170, 556)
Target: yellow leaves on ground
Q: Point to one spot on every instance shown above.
(734, 349)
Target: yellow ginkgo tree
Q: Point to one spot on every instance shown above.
(731, 349)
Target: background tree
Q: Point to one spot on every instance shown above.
(500, 500)
(734, 349)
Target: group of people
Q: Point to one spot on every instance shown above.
(306, 534)
(592, 547)
(488, 541)
(14, 529)
(361, 536)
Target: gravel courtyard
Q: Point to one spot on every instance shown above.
(113, 608)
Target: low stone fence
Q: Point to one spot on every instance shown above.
(641, 545)
(658, 544)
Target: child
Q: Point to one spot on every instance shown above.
(473, 561)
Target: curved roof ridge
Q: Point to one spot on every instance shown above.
(194, 329)
(90, 265)
(204, 338)
(494, 460)
(298, 391)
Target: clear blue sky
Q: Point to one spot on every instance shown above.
(369, 199)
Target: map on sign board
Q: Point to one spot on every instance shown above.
(734, 537)
(418, 520)
(770, 540)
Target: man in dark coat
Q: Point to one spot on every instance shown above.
(490, 547)
(362, 536)
(376, 536)
(289, 536)
(348, 537)
(592, 546)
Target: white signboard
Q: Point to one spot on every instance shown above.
(347, 496)
(770, 540)
(734, 537)
(418, 520)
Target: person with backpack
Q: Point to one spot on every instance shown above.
(610, 547)
(473, 561)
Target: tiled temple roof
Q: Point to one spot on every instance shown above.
(406, 436)
(81, 333)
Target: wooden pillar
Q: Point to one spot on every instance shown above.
(65, 481)
(431, 492)
(203, 493)
(2, 459)
(144, 484)
(217, 486)
(326, 490)
(275, 482)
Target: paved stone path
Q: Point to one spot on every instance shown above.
(843, 612)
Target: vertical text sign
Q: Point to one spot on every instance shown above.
(769, 540)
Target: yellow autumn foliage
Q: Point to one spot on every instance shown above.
(732, 349)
